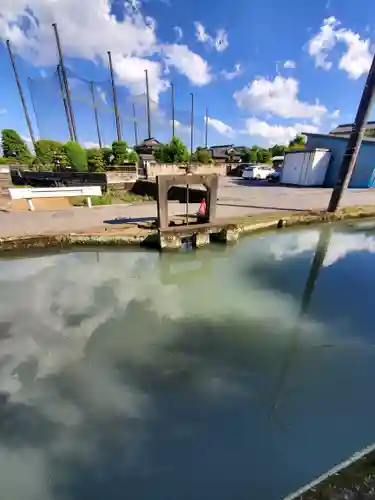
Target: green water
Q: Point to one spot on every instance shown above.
(231, 373)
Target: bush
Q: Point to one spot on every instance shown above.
(107, 156)
(50, 152)
(120, 152)
(95, 159)
(14, 146)
(133, 157)
(203, 156)
(76, 155)
(174, 152)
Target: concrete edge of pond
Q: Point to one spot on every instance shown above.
(352, 478)
(136, 236)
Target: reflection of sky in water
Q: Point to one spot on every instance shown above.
(141, 376)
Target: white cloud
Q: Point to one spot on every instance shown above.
(3, 111)
(278, 97)
(230, 75)
(356, 61)
(131, 72)
(88, 30)
(220, 127)
(271, 133)
(323, 42)
(335, 114)
(219, 42)
(181, 128)
(102, 95)
(90, 144)
(188, 63)
(179, 33)
(290, 64)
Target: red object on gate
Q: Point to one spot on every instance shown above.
(203, 207)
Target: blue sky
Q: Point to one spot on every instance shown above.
(265, 69)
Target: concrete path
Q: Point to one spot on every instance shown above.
(235, 199)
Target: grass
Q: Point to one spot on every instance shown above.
(111, 198)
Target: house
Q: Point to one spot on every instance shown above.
(364, 169)
(147, 148)
(227, 153)
(347, 128)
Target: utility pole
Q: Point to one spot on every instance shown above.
(95, 113)
(173, 131)
(206, 130)
(135, 125)
(118, 128)
(59, 77)
(355, 140)
(23, 102)
(66, 84)
(148, 106)
(192, 125)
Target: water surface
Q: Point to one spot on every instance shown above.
(234, 372)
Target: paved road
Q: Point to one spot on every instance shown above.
(235, 198)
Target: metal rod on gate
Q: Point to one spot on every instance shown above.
(23, 102)
(66, 84)
(65, 103)
(135, 125)
(148, 105)
(206, 130)
(96, 113)
(173, 122)
(117, 118)
(355, 140)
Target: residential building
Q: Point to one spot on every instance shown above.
(346, 129)
(226, 153)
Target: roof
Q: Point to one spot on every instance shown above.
(370, 140)
(225, 146)
(151, 141)
(348, 127)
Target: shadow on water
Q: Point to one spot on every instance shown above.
(176, 407)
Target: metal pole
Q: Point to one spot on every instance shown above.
(66, 84)
(118, 127)
(23, 102)
(173, 131)
(148, 106)
(355, 140)
(29, 81)
(135, 125)
(65, 103)
(206, 131)
(96, 113)
(192, 125)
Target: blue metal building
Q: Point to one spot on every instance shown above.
(364, 171)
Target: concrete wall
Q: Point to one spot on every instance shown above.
(365, 161)
(170, 169)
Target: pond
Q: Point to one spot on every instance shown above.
(232, 372)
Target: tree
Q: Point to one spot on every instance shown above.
(95, 159)
(120, 152)
(254, 155)
(133, 157)
(174, 152)
(14, 146)
(203, 155)
(107, 155)
(264, 156)
(298, 141)
(246, 156)
(76, 155)
(277, 150)
(50, 152)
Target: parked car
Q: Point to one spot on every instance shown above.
(257, 172)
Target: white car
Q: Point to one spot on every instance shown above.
(257, 172)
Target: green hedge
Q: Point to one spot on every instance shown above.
(76, 155)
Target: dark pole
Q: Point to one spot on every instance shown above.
(66, 84)
(206, 131)
(148, 105)
(135, 125)
(355, 140)
(117, 118)
(96, 113)
(173, 132)
(29, 82)
(192, 125)
(23, 102)
(65, 103)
